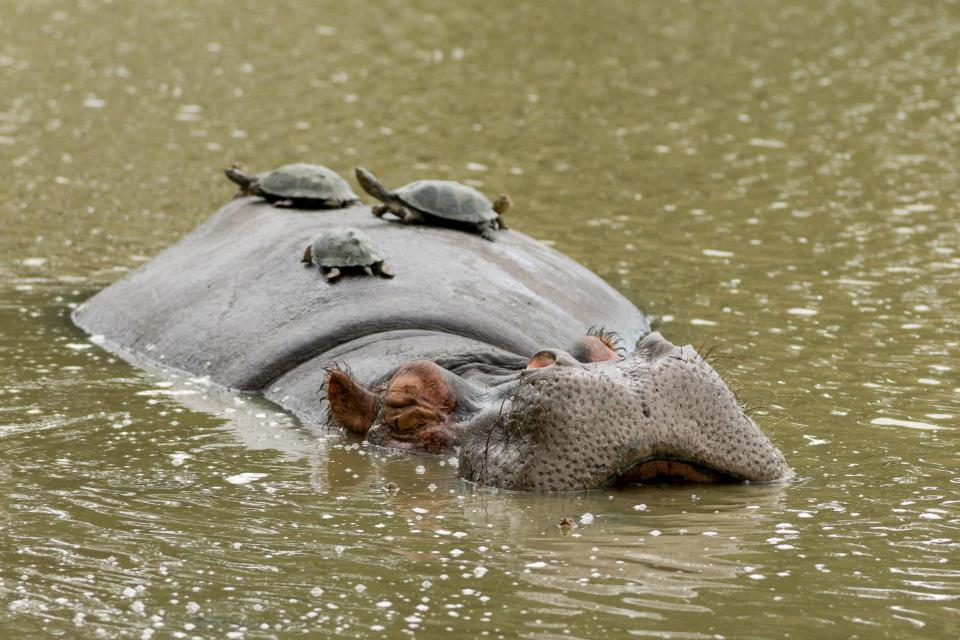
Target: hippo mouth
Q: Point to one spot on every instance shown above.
(672, 471)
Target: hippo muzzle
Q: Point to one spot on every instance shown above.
(662, 412)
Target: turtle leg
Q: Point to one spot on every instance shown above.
(379, 210)
(487, 234)
(332, 274)
(383, 270)
(410, 217)
(367, 270)
(501, 223)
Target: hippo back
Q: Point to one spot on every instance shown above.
(232, 300)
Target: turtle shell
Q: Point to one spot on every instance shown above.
(303, 181)
(344, 248)
(449, 200)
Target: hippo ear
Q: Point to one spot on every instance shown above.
(351, 406)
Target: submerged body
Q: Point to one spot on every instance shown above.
(474, 347)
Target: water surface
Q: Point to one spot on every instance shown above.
(777, 181)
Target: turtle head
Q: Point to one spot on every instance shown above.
(502, 204)
(370, 184)
(239, 175)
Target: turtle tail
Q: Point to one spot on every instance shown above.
(502, 204)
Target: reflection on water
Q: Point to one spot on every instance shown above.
(777, 181)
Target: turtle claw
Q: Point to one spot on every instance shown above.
(332, 275)
(488, 234)
(368, 271)
(379, 210)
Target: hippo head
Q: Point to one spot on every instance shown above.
(570, 420)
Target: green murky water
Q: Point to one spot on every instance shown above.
(780, 180)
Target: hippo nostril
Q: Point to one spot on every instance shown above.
(654, 346)
(548, 357)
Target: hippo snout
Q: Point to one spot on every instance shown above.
(661, 412)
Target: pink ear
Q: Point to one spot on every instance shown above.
(417, 396)
(352, 406)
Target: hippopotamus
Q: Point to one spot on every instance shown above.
(528, 367)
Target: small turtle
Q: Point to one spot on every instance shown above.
(305, 186)
(438, 202)
(338, 250)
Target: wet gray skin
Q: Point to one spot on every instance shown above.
(575, 426)
(453, 337)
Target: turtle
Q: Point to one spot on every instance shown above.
(337, 251)
(301, 185)
(440, 202)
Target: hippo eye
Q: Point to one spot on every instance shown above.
(610, 339)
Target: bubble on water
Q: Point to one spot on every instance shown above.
(178, 458)
(360, 588)
(421, 469)
(656, 532)
(717, 253)
(586, 518)
(193, 608)
(535, 565)
(384, 604)
(245, 478)
(316, 592)
(480, 571)
(909, 424)
(93, 102)
(640, 507)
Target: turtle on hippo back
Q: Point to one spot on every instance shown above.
(441, 202)
(300, 185)
(336, 251)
